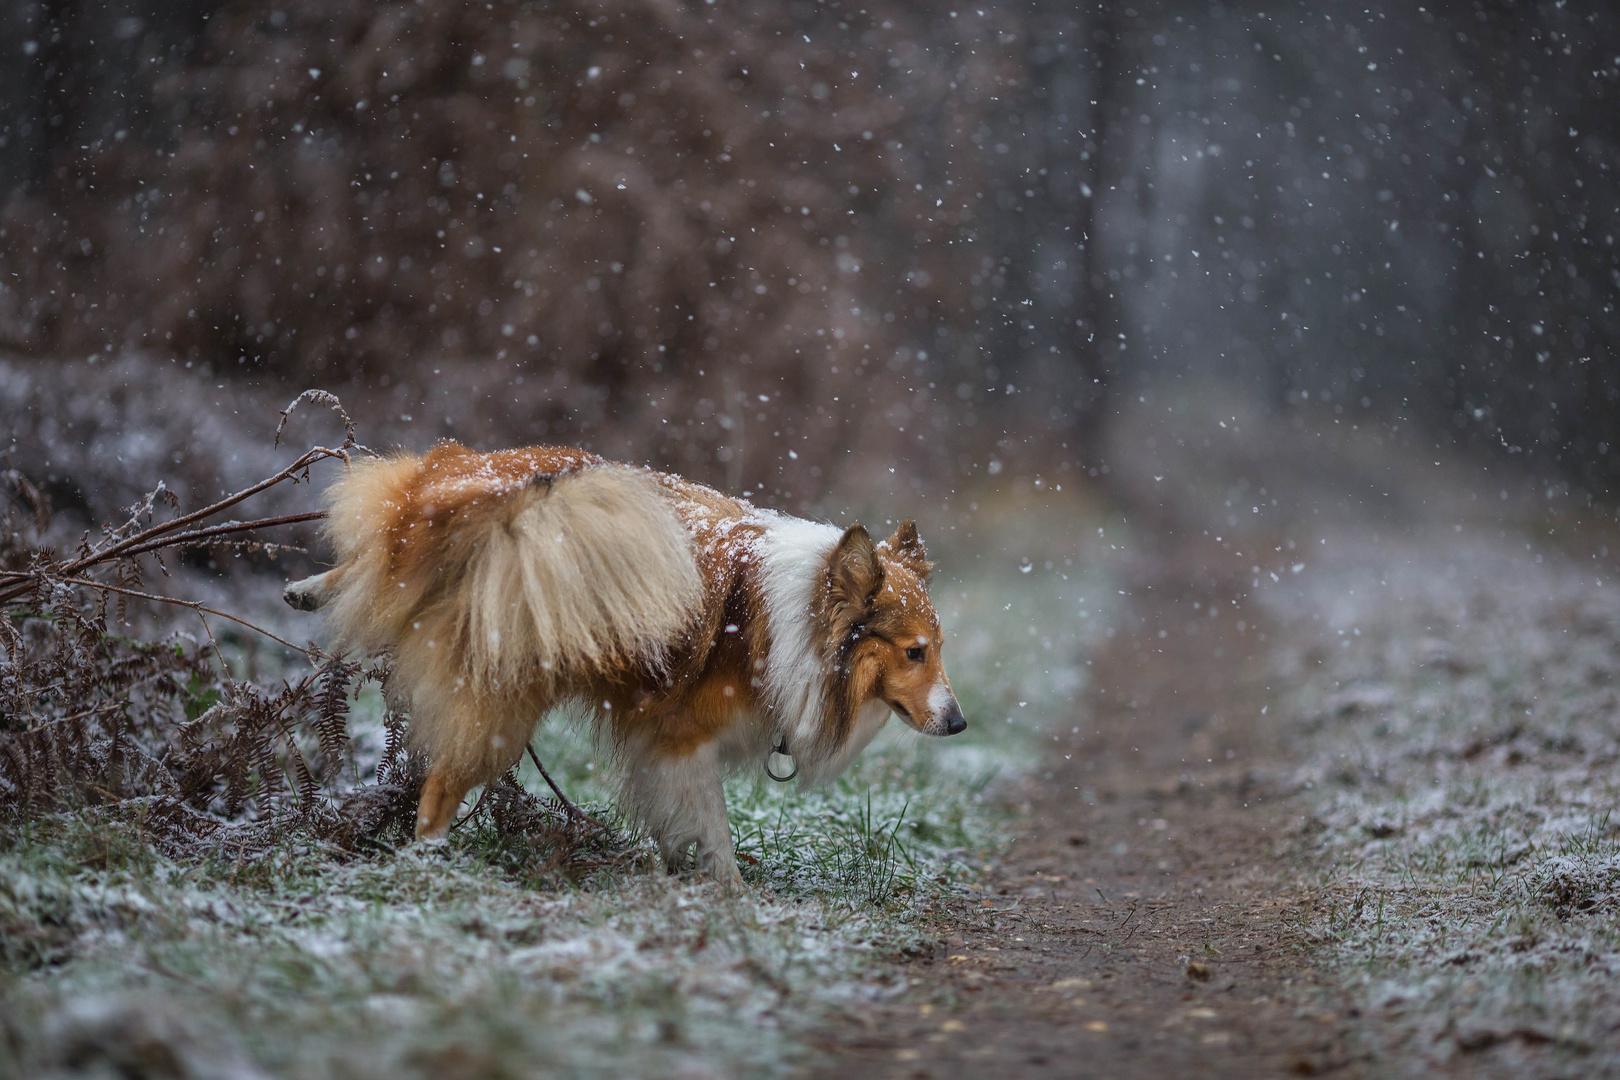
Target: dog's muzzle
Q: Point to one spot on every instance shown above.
(949, 722)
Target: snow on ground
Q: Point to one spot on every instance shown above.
(1455, 694)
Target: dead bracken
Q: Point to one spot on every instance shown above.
(161, 731)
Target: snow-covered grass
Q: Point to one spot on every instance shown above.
(416, 963)
(488, 957)
(1458, 706)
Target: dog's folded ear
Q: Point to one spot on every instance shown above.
(854, 574)
(908, 547)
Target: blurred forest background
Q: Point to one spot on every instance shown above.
(1218, 342)
(759, 240)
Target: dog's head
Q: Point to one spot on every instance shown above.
(887, 631)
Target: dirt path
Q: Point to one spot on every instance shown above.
(1151, 845)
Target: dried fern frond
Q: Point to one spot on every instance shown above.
(210, 763)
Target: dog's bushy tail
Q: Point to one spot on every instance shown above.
(471, 576)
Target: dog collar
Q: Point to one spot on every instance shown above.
(781, 748)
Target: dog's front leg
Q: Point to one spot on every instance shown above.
(716, 856)
(682, 802)
(720, 861)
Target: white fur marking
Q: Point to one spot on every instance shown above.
(793, 561)
(682, 803)
(939, 699)
(868, 722)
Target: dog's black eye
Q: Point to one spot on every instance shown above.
(914, 653)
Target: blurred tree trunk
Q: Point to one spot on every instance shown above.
(1098, 326)
(1533, 303)
(79, 73)
(1052, 312)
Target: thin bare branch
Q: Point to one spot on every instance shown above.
(574, 813)
(123, 547)
(192, 537)
(328, 398)
(194, 606)
(195, 535)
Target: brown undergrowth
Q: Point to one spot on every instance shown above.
(684, 226)
(156, 729)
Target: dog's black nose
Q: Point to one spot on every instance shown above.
(954, 723)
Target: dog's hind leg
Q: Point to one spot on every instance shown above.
(470, 741)
(311, 593)
(442, 793)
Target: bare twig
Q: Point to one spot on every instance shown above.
(574, 812)
(144, 538)
(469, 815)
(325, 397)
(194, 606)
(194, 536)
(263, 547)
(229, 527)
(120, 737)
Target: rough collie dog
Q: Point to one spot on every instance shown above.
(700, 633)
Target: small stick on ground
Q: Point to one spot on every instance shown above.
(574, 812)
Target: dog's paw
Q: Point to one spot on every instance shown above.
(299, 598)
(721, 868)
(427, 834)
(305, 595)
